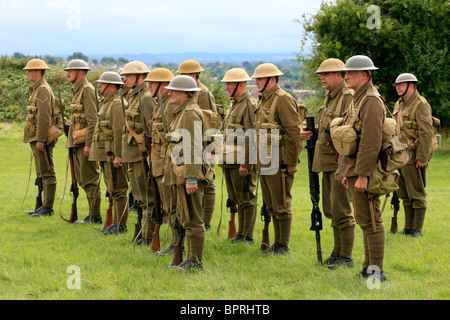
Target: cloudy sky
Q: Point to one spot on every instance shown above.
(136, 26)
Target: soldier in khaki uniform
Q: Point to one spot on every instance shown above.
(158, 80)
(185, 167)
(335, 199)
(240, 176)
(278, 110)
(414, 119)
(354, 171)
(106, 148)
(83, 111)
(134, 153)
(40, 115)
(205, 100)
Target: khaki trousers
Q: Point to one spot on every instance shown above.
(192, 221)
(374, 241)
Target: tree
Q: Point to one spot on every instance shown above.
(412, 38)
(78, 55)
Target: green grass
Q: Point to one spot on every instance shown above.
(35, 253)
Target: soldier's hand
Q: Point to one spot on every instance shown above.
(361, 184)
(344, 182)
(420, 164)
(292, 169)
(191, 188)
(243, 172)
(117, 162)
(87, 151)
(305, 135)
(40, 146)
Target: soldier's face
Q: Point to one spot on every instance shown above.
(354, 79)
(34, 75)
(71, 76)
(401, 88)
(130, 81)
(330, 80)
(231, 87)
(177, 97)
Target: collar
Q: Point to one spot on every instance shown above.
(38, 84)
(361, 91)
(334, 93)
(79, 85)
(413, 97)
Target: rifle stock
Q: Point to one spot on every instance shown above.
(265, 242)
(231, 205)
(108, 220)
(395, 203)
(39, 184)
(74, 190)
(178, 252)
(314, 187)
(157, 215)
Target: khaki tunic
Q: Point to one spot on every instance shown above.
(411, 183)
(83, 111)
(335, 105)
(39, 112)
(335, 199)
(288, 118)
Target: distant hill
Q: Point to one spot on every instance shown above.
(149, 59)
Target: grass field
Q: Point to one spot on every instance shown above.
(35, 254)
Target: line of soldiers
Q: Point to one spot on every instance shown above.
(132, 136)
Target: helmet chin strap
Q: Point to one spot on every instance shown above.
(157, 89)
(235, 89)
(265, 86)
(407, 88)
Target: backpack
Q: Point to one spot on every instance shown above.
(393, 156)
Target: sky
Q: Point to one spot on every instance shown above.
(62, 27)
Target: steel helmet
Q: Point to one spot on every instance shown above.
(406, 77)
(331, 65)
(190, 66)
(135, 67)
(77, 64)
(36, 64)
(267, 70)
(236, 75)
(359, 63)
(183, 83)
(110, 77)
(160, 75)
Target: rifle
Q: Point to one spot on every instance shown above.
(108, 220)
(40, 185)
(265, 243)
(231, 224)
(156, 214)
(314, 187)
(178, 251)
(138, 224)
(74, 185)
(38, 181)
(395, 204)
